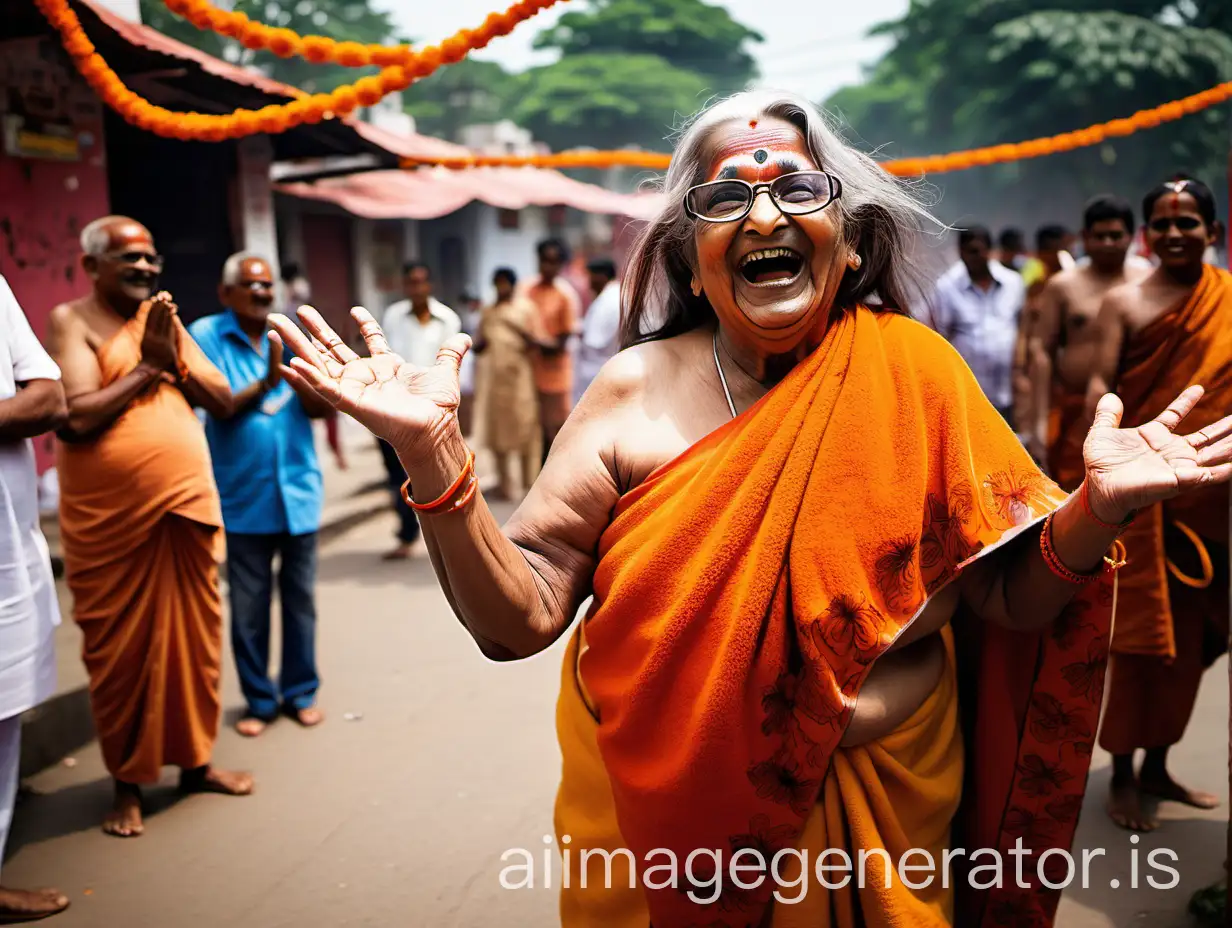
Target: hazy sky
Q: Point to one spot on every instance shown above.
(812, 48)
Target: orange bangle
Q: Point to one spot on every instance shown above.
(1113, 561)
(1085, 496)
(468, 469)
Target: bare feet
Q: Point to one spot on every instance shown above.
(400, 553)
(1125, 807)
(29, 905)
(124, 819)
(307, 717)
(210, 779)
(250, 726)
(1164, 787)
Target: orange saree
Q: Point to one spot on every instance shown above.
(1174, 589)
(140, 520)
(743, 592)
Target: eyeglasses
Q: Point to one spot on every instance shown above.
(795, 194)
(133, 257)
(1182, 223)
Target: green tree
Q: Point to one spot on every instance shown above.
(607, 100)
(631, 70)
(690, 34)
(344, 20)
(963, 74)
(462, 94)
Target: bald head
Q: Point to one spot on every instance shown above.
(118, 256)
(97, 237)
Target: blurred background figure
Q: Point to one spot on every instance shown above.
(415, 328)
(31, 403)
(977, 307)
(600, 326)
(469, 310)
(511, 407)
(1012, 249)
(557, 308)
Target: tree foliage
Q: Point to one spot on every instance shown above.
(691, 35)
(631, 70)
(344, 20)
(963, 74)
(462, 94)
(607, 100)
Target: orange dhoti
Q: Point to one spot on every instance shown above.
(1068, 426)
(140, 523)
(1172, 621)
(743, 592)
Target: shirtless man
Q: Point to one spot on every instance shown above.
(1062, 341)
(1173, 326)
(140, 518)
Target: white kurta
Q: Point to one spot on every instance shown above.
(29, 612)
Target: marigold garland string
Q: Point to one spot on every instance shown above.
(404, 67)
(401, 66)
(905, 167)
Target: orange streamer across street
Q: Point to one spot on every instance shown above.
(410, 66)
(401, 66)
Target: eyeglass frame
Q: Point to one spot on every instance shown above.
(836, 191)
(156, 261)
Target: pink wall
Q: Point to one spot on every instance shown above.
(44, 203)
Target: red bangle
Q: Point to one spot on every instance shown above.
(468, 469)
(1084, 494)
(1113, 561)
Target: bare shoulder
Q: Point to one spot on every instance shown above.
(1062, 282)
(1123, 298)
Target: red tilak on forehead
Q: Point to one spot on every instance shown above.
(748, 142)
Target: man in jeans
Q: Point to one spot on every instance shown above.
(265, 464)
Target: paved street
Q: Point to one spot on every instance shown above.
(398, 815)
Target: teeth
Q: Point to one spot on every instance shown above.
(768, 253)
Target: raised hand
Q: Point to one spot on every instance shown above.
(1128, 469)
(410, 407)
(159, 342)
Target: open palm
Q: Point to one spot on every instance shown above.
(1129, 469)
(395, 400)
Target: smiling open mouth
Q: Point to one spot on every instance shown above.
(771, 266)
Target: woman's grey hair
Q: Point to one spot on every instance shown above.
(880, 216)
(233, 267)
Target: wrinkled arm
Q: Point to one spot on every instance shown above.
(1015, 588)
(516, 591)
(38, 407)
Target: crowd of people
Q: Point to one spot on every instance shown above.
(151, 503)
(710, 692)
(1047, 335)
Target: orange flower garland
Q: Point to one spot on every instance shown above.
(410, 66)
(906, 167)
(319, 48)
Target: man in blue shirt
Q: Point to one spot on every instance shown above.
(265, 464)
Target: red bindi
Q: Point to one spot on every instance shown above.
(752, 123)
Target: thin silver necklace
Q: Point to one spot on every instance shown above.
(722, 378)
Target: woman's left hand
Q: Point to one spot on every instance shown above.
(1128, 469)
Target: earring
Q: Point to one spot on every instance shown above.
(696, 287)
(855, 262)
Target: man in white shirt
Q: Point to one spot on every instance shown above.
(415, 329)
(977, 308)
(600, 326)
(31, 403)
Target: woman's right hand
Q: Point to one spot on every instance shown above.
(410, 407)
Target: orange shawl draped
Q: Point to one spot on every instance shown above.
(1189, 344)
(745, 589)
(140, 519)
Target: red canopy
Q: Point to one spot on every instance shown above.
(427, 193)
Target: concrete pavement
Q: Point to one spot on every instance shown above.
(432, 762)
